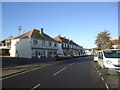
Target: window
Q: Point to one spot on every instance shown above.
(112, 53)
(65, 45)
(55, 45)
(35, 42)
(62, 45)
(44, 43)
(39, 53)
(100, 55)
(55, 52)
(36, 53)
(68, 46)
(49, 43)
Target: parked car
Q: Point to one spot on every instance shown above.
(82, 55)
(75, 56)
(67, 56)
(59, 56)
(95, 58)
(109, 60)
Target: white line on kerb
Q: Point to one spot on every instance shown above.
(35, 87)
(106, 86)
(60, 71)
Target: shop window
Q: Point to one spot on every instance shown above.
(49, 53)
(36, 53)
(55, 53)
(39, 53)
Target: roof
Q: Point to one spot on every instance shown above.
(34, 33)
(63, 39)
(108, 49)
(116, 41)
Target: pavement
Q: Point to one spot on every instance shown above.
(13, 65)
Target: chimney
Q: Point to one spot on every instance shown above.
(41, 31)
(59, 35)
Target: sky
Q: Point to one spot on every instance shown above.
(78, 21)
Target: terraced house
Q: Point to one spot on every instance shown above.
(67, 46)
(32, 44)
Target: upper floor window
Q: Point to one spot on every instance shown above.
(43, 42)
(49, 43)
(62, 45)
(68, 46)
(65, 45)
(35, 42)
(55, 45)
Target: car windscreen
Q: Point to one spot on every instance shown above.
(112, 53)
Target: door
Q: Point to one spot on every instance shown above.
(100, 59)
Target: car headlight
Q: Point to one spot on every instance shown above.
(108, 62)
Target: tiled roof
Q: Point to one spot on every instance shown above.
(27, 34)
(57, 39)
(34, 33)
(62, 39)
(116, 41)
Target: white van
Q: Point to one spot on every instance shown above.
(109, 60)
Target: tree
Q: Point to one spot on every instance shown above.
(103, 40)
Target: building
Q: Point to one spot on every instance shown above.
(5, 46)
(66, 46)
(116, 43)
(33, 44)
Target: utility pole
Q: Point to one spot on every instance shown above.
(19, 28)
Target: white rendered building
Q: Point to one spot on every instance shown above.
(34, 43)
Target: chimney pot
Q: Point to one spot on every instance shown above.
(59, 35)
(41, 31)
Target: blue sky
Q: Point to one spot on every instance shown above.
(79, 21)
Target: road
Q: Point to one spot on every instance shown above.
(70, 73)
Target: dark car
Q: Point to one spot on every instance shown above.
(60, 57)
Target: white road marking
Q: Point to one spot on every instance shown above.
(60, 71)
(100, 74)
(35, 87)
(106, 86)
(102, 78)
(97, 70)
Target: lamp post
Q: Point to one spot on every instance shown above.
(19, 28)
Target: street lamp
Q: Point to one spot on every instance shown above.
(19, 28)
